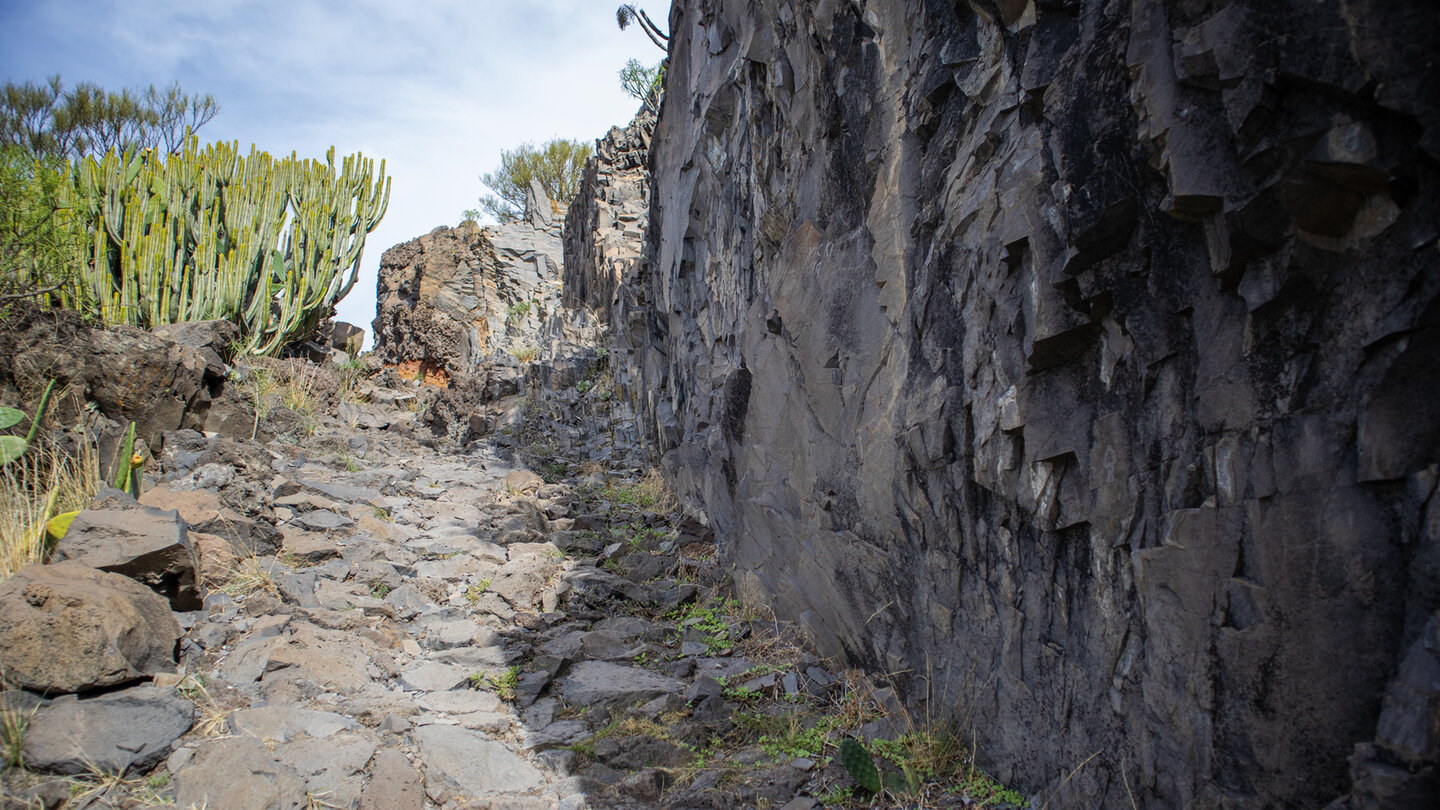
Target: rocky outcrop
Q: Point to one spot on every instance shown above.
(605, 226)
(450, 299)
(1078, 361)
(161, 380)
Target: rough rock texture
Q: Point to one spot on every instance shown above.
(160, 380)
(68, 628)
(239, 773)
(1078, 360)
(116, 732)
(454, 297)
(605, 226)
(150, 546)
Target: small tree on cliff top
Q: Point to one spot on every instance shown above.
(557, 164)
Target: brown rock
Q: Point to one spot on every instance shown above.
(216, 555)
(203, 511)
(394, 783)
(311, 547)
(523, 481)
(450, 298)
(68, 628)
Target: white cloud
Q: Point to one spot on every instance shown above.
(436, 87)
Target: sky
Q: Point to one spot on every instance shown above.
(437, 88)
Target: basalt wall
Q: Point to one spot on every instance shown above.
(1076, 363)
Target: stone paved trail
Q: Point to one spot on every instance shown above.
(420, 627)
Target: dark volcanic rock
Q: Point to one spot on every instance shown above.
(148, 545)
(117, 732)
(1077, 357)
(160, 380)
(605, 226)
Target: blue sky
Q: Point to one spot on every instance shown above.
(435, 87)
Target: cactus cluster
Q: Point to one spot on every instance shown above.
(209, 233)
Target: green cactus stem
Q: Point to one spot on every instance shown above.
(860, 764)
(13, 447)
(207, 233)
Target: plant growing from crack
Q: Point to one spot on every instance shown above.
(502, 686)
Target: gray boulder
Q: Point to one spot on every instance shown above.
(600, 683)
(66, 627)
(127, 731)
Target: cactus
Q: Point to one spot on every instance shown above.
(13, 447)
(126, 467)
(203, 234)
(860, 764)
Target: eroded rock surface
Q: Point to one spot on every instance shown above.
(1072, 358)
(456, 296)
(69, 628)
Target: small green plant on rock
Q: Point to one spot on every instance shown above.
(13, 447)
(502, 686)
(379, 590)
(524, 354)
(475, 591)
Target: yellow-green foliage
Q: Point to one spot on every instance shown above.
(34, 489)
(209, 233)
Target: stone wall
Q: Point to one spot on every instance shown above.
(1074, 361)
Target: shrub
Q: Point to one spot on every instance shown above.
(45, 119)
(644, 83)
(558, 164)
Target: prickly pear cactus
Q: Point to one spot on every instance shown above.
(860, 764)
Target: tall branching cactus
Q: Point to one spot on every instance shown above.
(209, 234)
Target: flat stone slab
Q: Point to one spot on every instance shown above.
(344, 492)
(431, 676)
(284, 723)
(394, 784)
(238, 773)
(473, 763)
(333, 768)
(601, 683)
(460, 701)
(130, 730)
(323, 519)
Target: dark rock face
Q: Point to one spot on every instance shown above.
(454, 297)
(148, 545)
(161, 380)
(605, 225)
(1079, 361)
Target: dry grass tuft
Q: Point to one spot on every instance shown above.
(34, 488)
(249, 576)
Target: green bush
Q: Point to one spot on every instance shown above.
(44, 118)
(558, 164)
(644, 83)
(40, 236)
